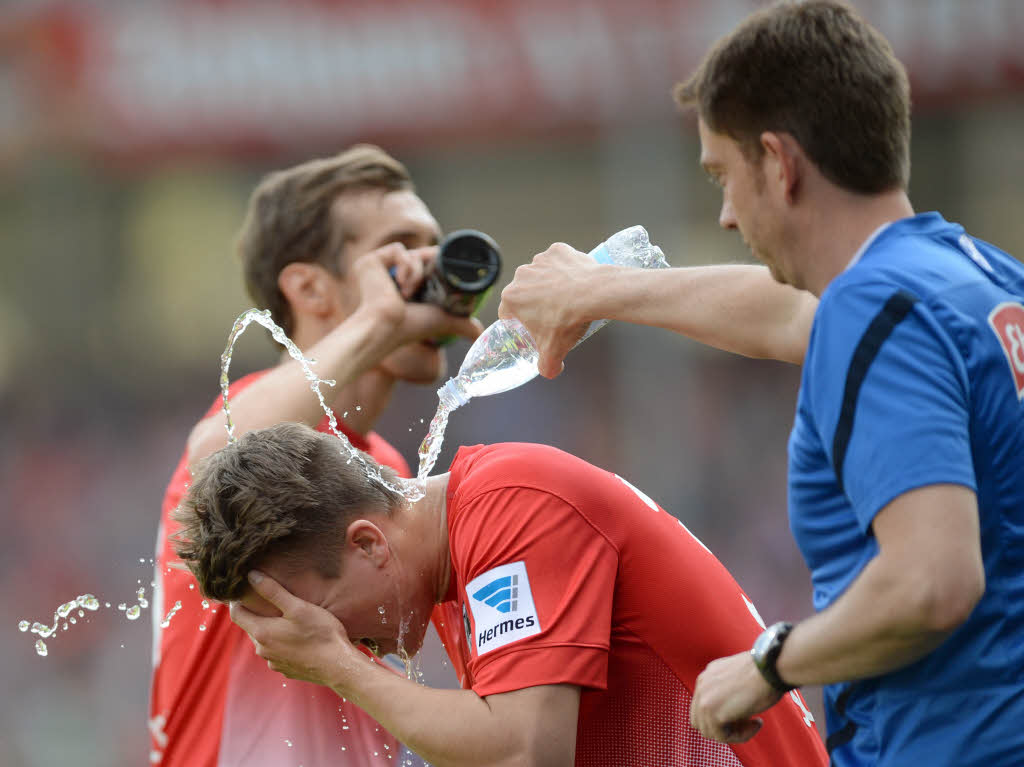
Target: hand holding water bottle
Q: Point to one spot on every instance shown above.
(550, 295)
(547, 296)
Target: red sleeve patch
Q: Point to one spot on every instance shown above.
(1007, 320)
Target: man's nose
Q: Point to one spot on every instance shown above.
(726, 219)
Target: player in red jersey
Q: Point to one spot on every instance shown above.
(579, 613)
(316, 246)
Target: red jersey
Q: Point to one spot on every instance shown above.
(214, 702)
(563, 573)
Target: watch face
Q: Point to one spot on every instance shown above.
(761, 645)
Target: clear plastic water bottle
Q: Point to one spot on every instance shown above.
(504, 356)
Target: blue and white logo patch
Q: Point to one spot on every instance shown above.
(502, 607)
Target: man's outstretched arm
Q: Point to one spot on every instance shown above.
(532, 726)
(738, 308)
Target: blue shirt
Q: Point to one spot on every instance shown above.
(914, 376)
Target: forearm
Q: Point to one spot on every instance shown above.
(737, 308)
(448, 728)
(283, 394)
(874, 628)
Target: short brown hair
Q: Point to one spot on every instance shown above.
(817, 71)
(289, 218)
(285, 493)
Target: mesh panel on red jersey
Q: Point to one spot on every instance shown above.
(643, 719)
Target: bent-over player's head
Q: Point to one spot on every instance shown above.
(278, 499)
(817, 71)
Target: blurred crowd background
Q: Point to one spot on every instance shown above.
(130, 136)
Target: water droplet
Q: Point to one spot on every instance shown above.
(106, 604)
(23, 626)
(132, 612)
(41, 647)
(206, 605)
(167, 618)
(142, 560)
(72, 619)
(202, 627)
(42, 630)
(81, 613)
(64, 627)
(122, 606)
(288, 742)
(359, 408)
(191, 586)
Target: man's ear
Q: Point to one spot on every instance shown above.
(307, 287)
(364, 539)
(783, 163)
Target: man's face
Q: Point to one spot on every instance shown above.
(746, 204)
(374, 218)
(378, 609)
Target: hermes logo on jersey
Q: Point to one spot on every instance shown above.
(502, 607)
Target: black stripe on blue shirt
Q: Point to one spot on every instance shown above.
(881, 327)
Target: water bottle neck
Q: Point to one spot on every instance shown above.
(452, 395)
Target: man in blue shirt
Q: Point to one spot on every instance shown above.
(907, 452)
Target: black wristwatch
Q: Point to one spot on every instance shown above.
(765, 653)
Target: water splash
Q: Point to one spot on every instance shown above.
(430, 447)
(167, 618)
(81, 603)
(262, 317)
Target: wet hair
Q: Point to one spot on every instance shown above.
(286, 493)
(817, 71)
(289, 219)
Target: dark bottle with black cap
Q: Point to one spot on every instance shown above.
(468, 264)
